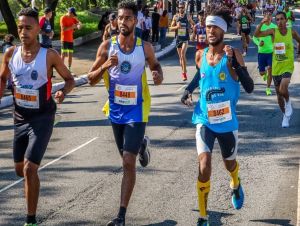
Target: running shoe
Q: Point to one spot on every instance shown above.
(144, 153)
(285, 121)
(30, 224)
(237, 197)
(288, 108)
(116, 222)
(268, 91)
(202, 222)
(184, 77)
(265, 77)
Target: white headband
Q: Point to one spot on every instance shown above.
(217, 21)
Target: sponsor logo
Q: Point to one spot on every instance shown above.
(34, 75)
(125, 67)
(222, 76)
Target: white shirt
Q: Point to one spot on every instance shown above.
(148, 23)
(140, 18)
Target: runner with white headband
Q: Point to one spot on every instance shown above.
(221, 69)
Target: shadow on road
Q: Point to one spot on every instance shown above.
(280, 222)
(164, 223)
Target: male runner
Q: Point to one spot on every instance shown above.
(46, 33)
(121, 63)
(68, 24)
(111, 29)
(180, 24)
(221, 69)
(282, 61)
(199, 32)
(244, 21)
(265, 52)
(289, 15)
(31, 67)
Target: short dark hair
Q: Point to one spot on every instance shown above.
(201, 13)
(224, 12)
(127, 4)
(9, 38)
(281, 12)
(29, 12)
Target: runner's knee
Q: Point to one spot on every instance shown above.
(30, 169)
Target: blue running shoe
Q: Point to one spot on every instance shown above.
(237, 197)
(202, 222)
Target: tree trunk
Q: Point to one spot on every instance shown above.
(165, 5)
(8, 18)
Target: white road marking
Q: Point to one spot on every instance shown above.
(298, 211)
(50, 163)
(181, 88)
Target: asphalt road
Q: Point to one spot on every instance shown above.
(81, 183)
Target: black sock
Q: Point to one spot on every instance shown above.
(30, 219)
(122, 212)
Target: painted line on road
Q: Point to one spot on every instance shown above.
(181, 88)
(50, 163)
(298, 210)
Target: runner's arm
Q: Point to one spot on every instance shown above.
(62, 70)
(98, 68)
(258, 33)
(4, 71)
(296, 36)
(153, 63)
(241, 71)
(174, 26)
(105, 34)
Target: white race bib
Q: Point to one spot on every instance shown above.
(27, 98)
(244, 26)
(219, 112)
(125, 95)
(181, 32)
(279, 48)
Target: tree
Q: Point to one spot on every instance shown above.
(52, 4)
(8, 18)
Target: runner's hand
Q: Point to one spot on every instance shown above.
(264, 20)
(59, 96)
(187, 99)
(261, 43)
(111, 61)
(156, 78)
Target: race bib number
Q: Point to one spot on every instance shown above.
(219, 112)
(125, 95)
(27, 98)
(280, 48)
(181, 32)
(201, 38)
(244, 26)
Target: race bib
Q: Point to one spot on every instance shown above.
(27, 98)
(181, 32)
(244, 26)
(201, 38)
(280, 48)
(219, 112)
(125, 95)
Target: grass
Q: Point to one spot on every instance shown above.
(90, 24)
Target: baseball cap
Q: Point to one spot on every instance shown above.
(47, 10)
(72, 10)
(112, 16)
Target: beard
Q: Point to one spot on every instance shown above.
(126, 31)
(217, 41)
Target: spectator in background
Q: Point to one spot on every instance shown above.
(46, 33)
(155, 25)
(163, 27)
(103, 22)
(68, 23)
(7, 43)
(111, 29)
(140, 20)
(147, 25)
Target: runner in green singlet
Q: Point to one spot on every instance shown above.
(282, 61)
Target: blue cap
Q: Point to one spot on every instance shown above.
(72, 10)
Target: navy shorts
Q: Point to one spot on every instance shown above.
(264, 60)
(31, 138)
(129, 137)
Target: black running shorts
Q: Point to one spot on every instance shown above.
(31, 138)
(277, 78)
(129, 137)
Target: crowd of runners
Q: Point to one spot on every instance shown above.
(120, 62)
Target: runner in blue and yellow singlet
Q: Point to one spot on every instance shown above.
(221, 68)
(121, 62)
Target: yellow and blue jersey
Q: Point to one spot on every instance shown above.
(129, 96)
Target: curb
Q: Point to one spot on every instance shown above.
(8, 100)
(80, 40)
